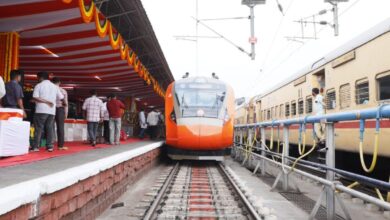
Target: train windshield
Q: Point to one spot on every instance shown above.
(195, 97)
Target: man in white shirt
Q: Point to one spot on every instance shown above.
(45, 95)
(318, 109)
(142, 123)
(152, 121)
(93, 109)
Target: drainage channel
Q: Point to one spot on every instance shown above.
(194, 190)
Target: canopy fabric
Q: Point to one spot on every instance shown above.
(71, 39)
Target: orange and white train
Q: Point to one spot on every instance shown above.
(199, 114)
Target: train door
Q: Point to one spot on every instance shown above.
(318, 80)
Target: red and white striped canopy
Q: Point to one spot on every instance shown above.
(69, 40)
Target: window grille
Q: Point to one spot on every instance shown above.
(384, 87)
(287, 110)
(309, 104)
(281, 111)
(331, 99)
(345, 96)
(362, 92)
(300, 107)
(276, 111)
(293, 108)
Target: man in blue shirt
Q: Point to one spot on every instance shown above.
(14, 92)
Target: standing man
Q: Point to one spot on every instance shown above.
(45, 96)
(14, 92)
(93, 112)
(114, 107)
(106, 121)
(61, 114)
(142, 123)
(318, 109)
(152, 121)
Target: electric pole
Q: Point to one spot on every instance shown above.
(252, 40)
(335, 10)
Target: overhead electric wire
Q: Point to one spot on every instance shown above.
(272, 43)
(222, 36)
(296, 50)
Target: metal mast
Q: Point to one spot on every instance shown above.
(252, 40)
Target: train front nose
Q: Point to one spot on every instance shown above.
(201, 133)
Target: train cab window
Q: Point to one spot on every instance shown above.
(287, 110)
(209, 97)
(331, 99)
(345, 96)
(293, 108)
(300, 107)
(281, 111)
(384, 86)
(309, 104)
(362, 91)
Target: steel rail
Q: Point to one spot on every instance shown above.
(149, 214)
(334, 185)
(247, 204)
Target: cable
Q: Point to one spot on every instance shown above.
(222, 36)
(272, 42)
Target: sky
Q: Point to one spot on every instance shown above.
(277, 58)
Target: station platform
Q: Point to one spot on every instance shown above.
(63, 184)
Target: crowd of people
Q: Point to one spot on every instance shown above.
(51, 111)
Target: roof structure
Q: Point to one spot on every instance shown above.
(108, 45)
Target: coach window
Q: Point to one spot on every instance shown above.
(276, 112)
(362, 91)
(287, 109)
(300, 107)
(293, 108)
(345, 96)
(281, 111)
(383, 86)
(309, 104)
(331, 99)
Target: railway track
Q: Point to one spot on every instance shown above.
(200, 191)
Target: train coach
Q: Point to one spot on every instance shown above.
(199, 115)
(354, 76)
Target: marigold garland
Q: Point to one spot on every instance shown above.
(87, 13)
(115, 39)
(91, 12)
(101, 29)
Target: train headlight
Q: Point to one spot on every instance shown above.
(200, 113)
(226, 118)
(173, 116)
